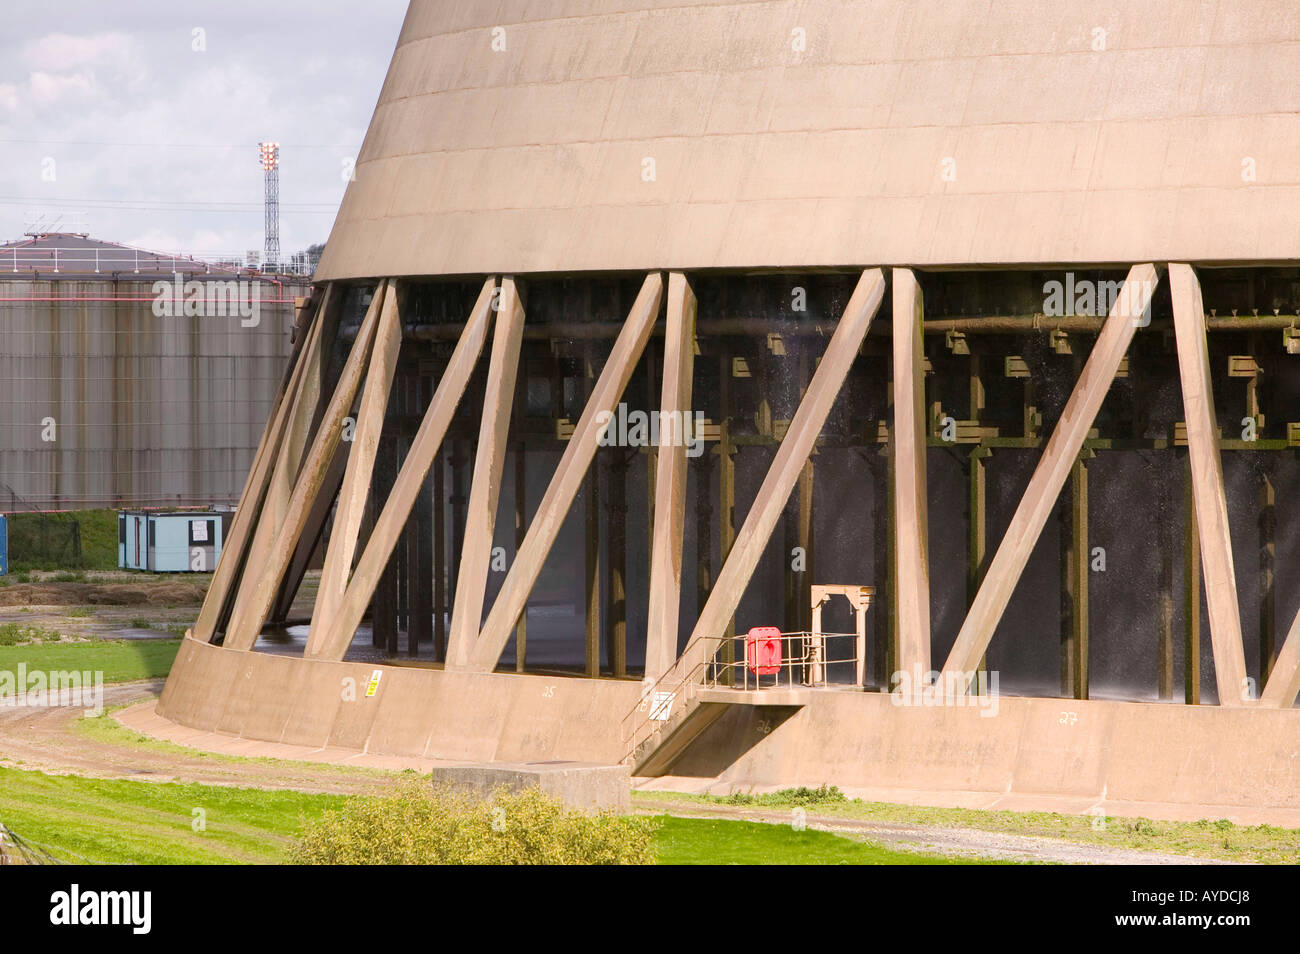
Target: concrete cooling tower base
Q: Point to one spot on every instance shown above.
(1067, 755)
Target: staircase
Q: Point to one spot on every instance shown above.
(675, 710)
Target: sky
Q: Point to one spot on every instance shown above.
(141, 118)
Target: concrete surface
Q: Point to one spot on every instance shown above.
(577, 784)
(999, 131)
(1163, 761)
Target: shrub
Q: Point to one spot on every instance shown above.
(418, 823)
(802, 796)
(16, 634)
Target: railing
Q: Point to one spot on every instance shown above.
(659, 697)
(83, 260)
(805, 662)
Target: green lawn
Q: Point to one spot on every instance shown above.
(122, 822)
(119, 660)
(1206, 838)
(125, 822)
(716, 841)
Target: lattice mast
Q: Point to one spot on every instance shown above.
(269, 152)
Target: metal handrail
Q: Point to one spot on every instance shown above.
(804, 662)
(654, 699)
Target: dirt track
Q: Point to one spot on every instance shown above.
(46, 739)
(169, 593)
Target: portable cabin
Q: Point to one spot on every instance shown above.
(4, 545)
(170, 541)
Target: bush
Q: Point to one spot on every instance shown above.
(17, 634)
(421, 824)
(801, 796)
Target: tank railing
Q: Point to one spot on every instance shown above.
(96, 260)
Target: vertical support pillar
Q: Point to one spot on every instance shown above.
(912, 576)
(977, 530)
(806, 543)
(726, 499)
(790, 614)
(420, 591)
(703, 528)
(593, 569)
(1166, 544)
(617, 566)
(439, 557)
(592, 489)
(882, 522)
(1267, 554)
(383, 605)
(459, 503)
(662, 622)
(1191, 593)
(521, 528)
(1079, 562)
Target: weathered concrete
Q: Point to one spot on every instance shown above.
(577, 784)
(1186, 761)
(514, 137)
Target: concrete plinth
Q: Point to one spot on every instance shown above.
(586, 785)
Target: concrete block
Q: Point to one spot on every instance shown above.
(586, 785)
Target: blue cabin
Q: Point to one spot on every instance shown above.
(4, 545)
(170, 541)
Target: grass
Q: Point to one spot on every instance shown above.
(118, 660)
(1206, 838)
(717, 841)
(107, 821)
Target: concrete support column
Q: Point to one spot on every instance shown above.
(617, 566)
(1166, 544)
(1191, 593)
(592, 494)
(1267, 554)
(438, 473)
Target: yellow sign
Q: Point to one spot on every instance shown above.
(373, 687)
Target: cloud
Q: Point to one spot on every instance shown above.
(48, 88)
(157, 141)
(63, 51)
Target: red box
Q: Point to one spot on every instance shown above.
(763, 650)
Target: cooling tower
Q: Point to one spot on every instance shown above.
(886, 394)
